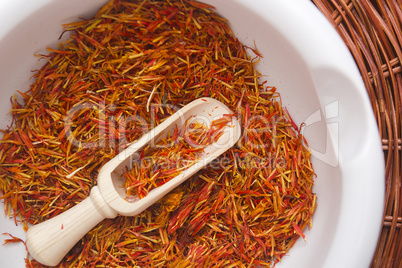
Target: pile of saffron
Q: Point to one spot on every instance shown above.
(118, 75)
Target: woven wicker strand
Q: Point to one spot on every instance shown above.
(372, 30)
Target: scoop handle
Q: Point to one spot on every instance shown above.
(48, 242)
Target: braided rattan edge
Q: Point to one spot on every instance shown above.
(372, 30)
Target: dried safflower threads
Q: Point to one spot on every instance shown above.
(171, 156)
(120, 74)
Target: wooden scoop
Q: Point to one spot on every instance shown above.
(49, 241)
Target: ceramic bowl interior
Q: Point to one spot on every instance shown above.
(319, 84)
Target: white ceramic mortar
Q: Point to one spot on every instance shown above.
(319, 83)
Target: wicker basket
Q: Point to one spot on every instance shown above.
(373, 32)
